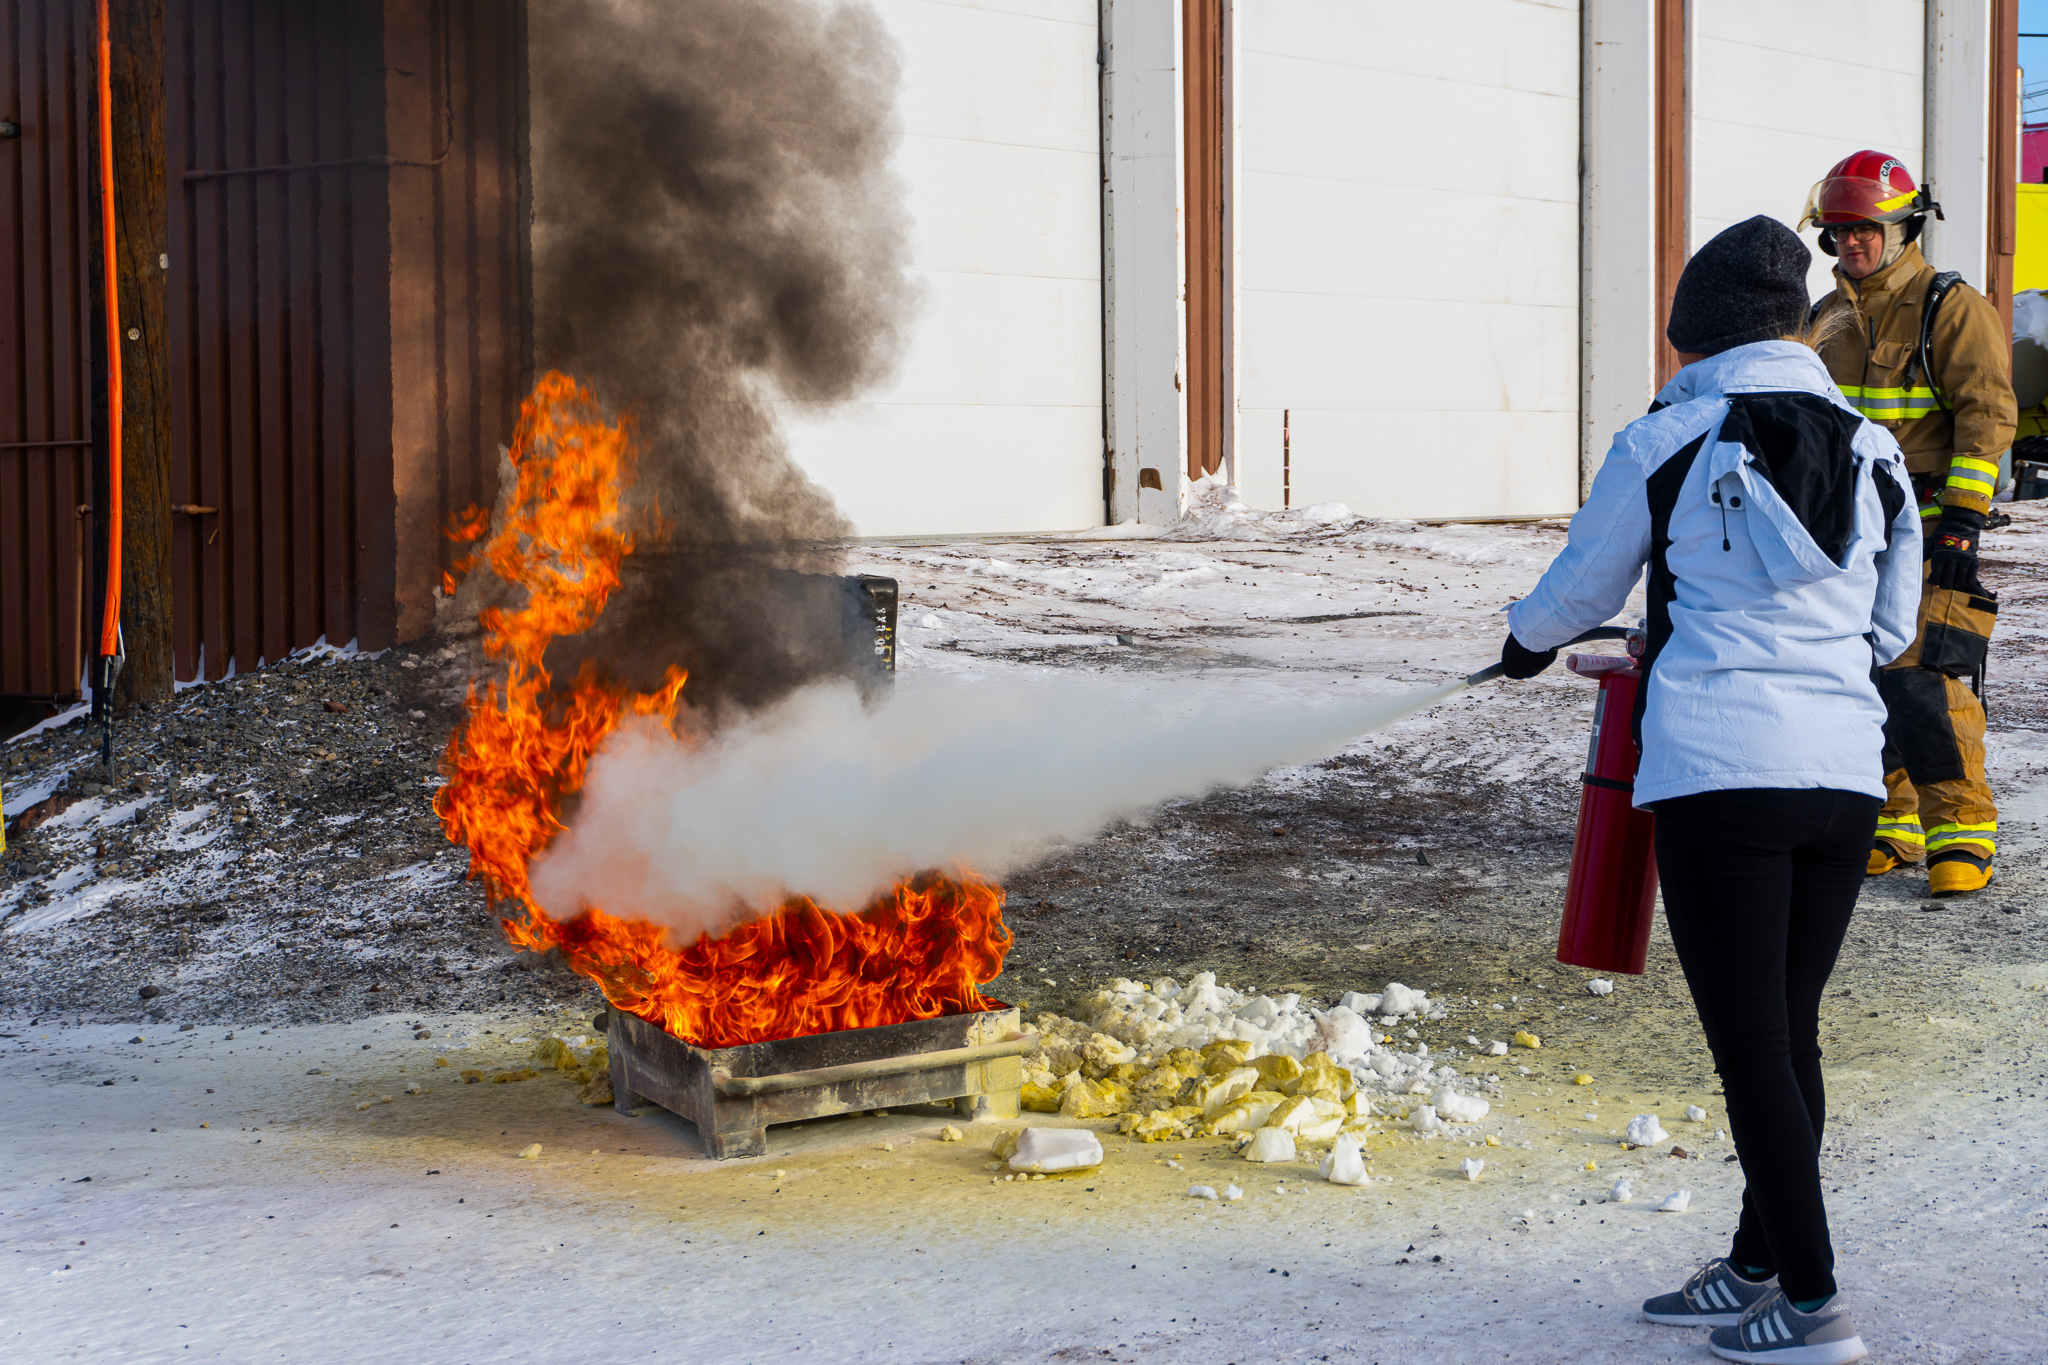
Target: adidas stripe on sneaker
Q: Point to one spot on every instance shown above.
(1773, 1332)
(1715, 1296)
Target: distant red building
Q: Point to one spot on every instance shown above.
(2034, 154)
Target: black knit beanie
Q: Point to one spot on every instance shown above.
(1747, 284)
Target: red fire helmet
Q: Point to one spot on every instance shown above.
(1866, 187)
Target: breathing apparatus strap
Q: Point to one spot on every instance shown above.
(1937, 290)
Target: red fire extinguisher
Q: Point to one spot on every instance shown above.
(1613, 888)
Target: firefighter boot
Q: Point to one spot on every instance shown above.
(1955, 872)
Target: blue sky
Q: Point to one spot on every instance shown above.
(2034, 59)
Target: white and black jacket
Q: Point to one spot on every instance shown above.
(1783, 548)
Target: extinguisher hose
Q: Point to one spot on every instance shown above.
(1492, 671)
(111, 651)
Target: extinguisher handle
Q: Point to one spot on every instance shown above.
(1492, 671)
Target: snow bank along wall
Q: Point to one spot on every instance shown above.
(1427, 235)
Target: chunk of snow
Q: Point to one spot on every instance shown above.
(1344, 1034)
(1678, 1201)
(1645, 1131)
(1270, 1144)
(1398, 999)
(1041, 1150)
(1201, 1192)
(1470, 1167)
(1621, 1193)
(1496, 1048)
(1695, 1114)
(1424, 1120)
(1456, 1108)
(1599, 987)
(1345, 1165)
(1232, 1193)
(1359, 1004)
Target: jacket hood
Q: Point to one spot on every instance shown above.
(1782, 439)
(1759, 366)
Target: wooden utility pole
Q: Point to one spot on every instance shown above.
(136, 37)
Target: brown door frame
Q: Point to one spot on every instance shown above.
(1203, 114)
(1672, 110)
(2001, 220)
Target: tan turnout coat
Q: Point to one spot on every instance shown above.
(1874, 361)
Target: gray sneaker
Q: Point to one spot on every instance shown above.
(1773, 1332)
(1715, 1296)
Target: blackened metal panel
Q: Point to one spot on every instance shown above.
(46, 421)
(360, 523)
(460, 287)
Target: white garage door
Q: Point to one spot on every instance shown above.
(1782, 92)
(1408, 254)
(994, 422)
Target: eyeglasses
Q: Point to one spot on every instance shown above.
(1856, 232)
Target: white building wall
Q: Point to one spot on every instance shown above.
(1618, 225)
(1958, 140)
(1781, 92)
(994, 422)
(1408, 253)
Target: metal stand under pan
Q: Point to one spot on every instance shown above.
(733, 1094)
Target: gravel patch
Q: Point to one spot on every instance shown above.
(266, 852)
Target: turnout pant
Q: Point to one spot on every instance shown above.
(1759, 885)
(1937, 797)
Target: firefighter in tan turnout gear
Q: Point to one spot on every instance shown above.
(1940, 384)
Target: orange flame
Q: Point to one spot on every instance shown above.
(916, 953)
(462, 527)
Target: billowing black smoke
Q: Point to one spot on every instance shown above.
(715, 225)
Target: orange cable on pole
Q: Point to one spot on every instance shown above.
(110, 620)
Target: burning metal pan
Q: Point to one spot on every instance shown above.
(734, 1094)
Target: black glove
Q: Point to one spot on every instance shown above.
(1952, 554)
(1518, 662)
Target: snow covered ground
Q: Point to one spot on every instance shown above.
(297, 1225)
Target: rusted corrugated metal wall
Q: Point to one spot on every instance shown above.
(46, 340)
(277, 300)
(347, 272)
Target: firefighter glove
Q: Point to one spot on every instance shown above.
(1517, 662)
(1952, 553)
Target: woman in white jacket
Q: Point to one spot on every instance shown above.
(1783, 551)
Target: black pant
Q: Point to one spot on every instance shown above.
(1758, 887)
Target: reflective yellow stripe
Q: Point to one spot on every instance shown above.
(1897, 202)
(1887, 404)
(1929, 511)
(1969, 474)
(1902, 833)
(1985, 836)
